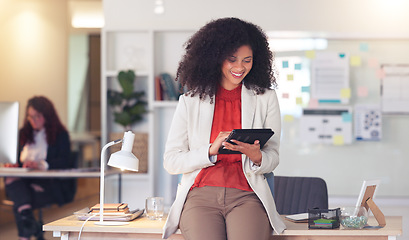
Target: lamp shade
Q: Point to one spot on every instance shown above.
(124, 158)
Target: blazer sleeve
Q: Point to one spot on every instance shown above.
(59, 153)
(182, 155)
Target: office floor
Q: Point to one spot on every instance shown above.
(8, 230)
(87, 195)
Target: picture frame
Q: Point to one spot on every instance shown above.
(368, 190)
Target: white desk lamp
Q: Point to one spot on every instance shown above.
(123, 159)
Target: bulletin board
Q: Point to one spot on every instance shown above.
(376, 151)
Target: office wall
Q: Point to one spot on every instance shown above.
(344, 167)
(340, 19)
(33, 47)
(364, 17)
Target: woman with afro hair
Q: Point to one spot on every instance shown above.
(227, 71)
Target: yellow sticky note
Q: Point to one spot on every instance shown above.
(338, 140)
(290, 77)
(288, 118)
(346, 93)
(298, 100)
(310, 54)
(355, 61)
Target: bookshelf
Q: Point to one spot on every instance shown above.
(149, 53)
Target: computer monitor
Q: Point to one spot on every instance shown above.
(8, 132)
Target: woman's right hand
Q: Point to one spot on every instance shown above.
(217, 143)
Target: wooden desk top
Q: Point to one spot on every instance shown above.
(143, 225)
(65, 173)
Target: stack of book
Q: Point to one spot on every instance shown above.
(112, 212)
(111, 208)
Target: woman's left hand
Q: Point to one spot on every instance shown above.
(30, 164)
(250, 150)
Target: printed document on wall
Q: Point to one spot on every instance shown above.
(327, 125)
(330, 77)
(368, 122)
(395, 89)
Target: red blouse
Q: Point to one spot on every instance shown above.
(228, 171)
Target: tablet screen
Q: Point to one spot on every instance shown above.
(248, 136)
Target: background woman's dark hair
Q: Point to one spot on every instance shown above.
(200, 68)
(52, 124)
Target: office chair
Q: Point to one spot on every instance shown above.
(294, 195)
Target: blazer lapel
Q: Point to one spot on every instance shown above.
(248, 107)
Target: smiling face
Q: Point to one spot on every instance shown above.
(236, 67)
(35, 118)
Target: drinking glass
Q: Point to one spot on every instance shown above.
(154, 208)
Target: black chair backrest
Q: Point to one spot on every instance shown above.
(294, 195)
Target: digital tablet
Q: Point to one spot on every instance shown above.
(247, 136)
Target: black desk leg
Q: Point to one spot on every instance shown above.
(119, 187)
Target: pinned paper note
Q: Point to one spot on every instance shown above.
(313, 103)
(297, 66)
(290, 77)
(345, 93)
(362, 91)
(329, 74)
(298, 100)
(310, 54)
(305, 89)
(328, 125)
(285, 64)
(346, 117)
(355, 61)
(285, 95)
(288, 118)
(364, 47)
(373, 62)
(338, 140)
(380, 73)
(368, 122)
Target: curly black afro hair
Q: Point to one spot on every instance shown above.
(199, 70)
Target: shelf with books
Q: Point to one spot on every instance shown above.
(152, 54)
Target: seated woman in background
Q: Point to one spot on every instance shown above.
(43, 144)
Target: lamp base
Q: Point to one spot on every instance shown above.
(111, 223)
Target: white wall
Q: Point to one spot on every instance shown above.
(372, 17)
(77, 74)
(338, 18)
(33, 47)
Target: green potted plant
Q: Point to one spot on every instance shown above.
(128, 105)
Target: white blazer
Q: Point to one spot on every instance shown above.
(188, 144)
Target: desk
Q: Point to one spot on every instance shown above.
(67, 173)
(142, 228)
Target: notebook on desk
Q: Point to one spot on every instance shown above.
(85, 215)
(298, 218)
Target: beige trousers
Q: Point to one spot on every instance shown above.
(219, 213)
